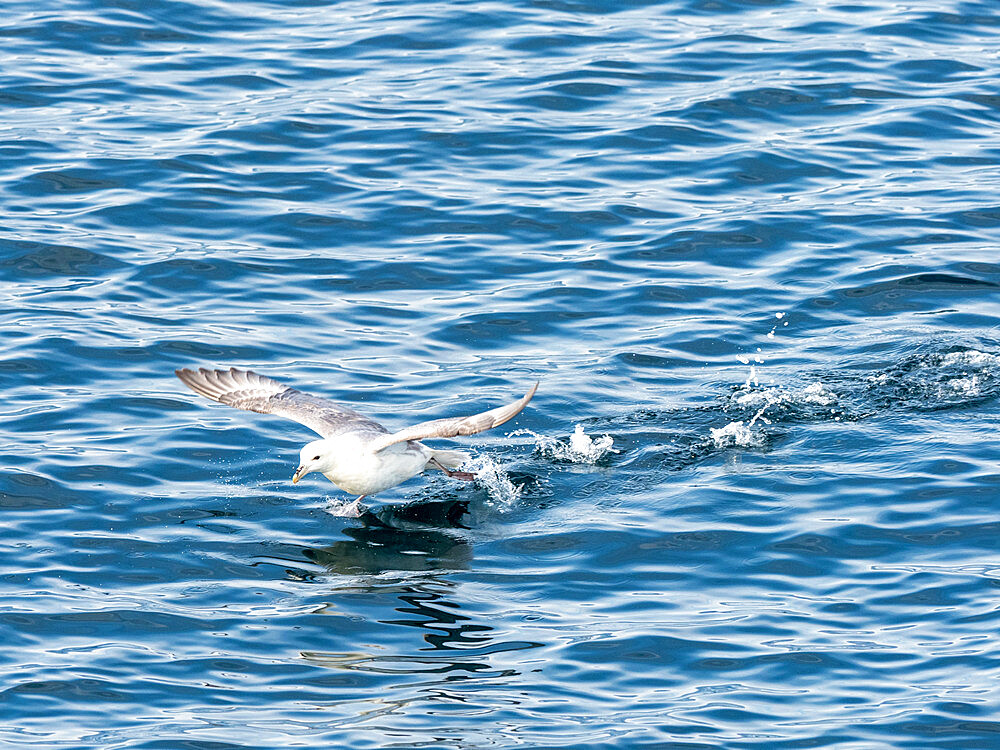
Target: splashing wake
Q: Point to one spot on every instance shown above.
(490, 475)
(581, 448)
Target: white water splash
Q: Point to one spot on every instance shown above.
(581, 448)
(490, 475)
(817, 393)
(778, 316)
(736, 435)
(942, 379)
(586, 449)
(976, 370)
(970, 358)
(969, 387)
(752, 360)
(740, 435)
(343, 508)
(814, 393)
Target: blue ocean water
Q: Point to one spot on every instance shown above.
(753, 242)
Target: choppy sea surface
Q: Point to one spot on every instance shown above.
(749, 248)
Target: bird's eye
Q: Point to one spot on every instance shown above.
(315, 458)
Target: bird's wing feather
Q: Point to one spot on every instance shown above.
(445, 428)
(245, 389)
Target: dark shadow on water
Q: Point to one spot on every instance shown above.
(435, 513)
(417, 537)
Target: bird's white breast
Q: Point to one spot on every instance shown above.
(362, 472)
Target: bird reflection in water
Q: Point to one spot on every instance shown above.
(419, 536)
(422, 542)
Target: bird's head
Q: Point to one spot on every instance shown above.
(314, 456)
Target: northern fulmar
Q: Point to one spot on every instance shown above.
(356, 453)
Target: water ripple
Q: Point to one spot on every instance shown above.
(747, 247)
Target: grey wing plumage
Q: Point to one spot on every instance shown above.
(445, 428)
(245, 389)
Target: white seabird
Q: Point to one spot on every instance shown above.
(355, 453)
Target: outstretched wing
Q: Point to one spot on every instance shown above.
(245, 389)
(445, 428)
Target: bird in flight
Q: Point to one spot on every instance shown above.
(356, 453)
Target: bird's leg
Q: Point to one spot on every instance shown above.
(356, 509)
(465, 476)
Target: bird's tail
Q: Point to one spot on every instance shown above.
(449, 459)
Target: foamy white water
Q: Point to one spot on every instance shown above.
(491, 476)
(579, 448)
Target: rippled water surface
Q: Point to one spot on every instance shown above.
(752, 242)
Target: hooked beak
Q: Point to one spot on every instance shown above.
(299, 473)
